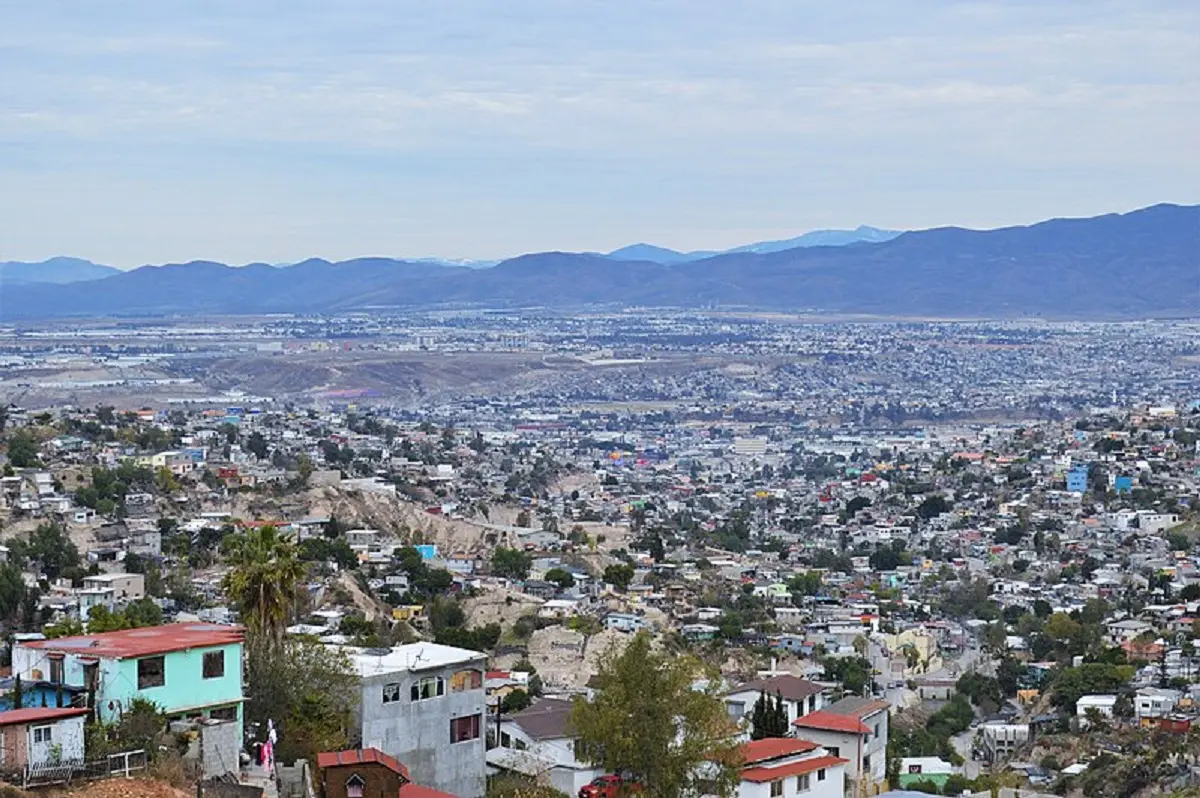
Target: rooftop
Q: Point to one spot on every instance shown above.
(411, 657)
(764, 774)
(774, 748)
(548, 719)
(360, 756)
(132, 643)
(793, 688)
(40, 714)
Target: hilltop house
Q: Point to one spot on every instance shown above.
(539, 742)
(856, 729)
(424, 703)
(784, 767)
(190, 670)
(800, 696)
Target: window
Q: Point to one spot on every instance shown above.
(777, 789)
(867, 764)
(152, 672)
(803, 782)
(463, 729)
(42, 734)
(56, 670)
(877, 725)
(833, 750)
(224, 713)
(391, 693)
(429, 687)
(466, 680)
(821, 774)
(736, 710)
(354, 786)
(214, 664)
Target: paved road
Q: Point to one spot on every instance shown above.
(972, 658)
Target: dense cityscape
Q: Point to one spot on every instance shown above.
(543, 399)
(920, 555)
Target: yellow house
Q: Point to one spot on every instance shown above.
(407, 612)
(925, 655)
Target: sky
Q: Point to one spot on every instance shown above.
(152, 131)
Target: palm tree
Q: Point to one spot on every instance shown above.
(262, 582)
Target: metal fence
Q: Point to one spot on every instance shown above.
(124, 764)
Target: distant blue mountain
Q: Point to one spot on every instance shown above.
(1141, 264)
(823, 238)
(58, 270)
(653, 254)
(816, 238)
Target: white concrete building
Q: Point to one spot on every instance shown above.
(538, 742)
(424, 704)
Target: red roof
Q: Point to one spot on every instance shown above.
(773, 748)
(760, 775)
(360, 756)
(831, 721)
(497, 675)
(148, 640)
(39, 714)
(417, 791)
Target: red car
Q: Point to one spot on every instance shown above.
(609, 787)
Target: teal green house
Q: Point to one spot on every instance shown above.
(190, 670)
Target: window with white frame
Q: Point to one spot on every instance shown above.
(429, 687)
(43, 734)
(777, 788)
(803, 782)
(821, 774)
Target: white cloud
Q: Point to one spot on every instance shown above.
(501, 127)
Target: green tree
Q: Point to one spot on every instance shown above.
(619, 575)
(261, 584)
(12, 591)
(805, 584)
(511, 563)
(515, 701)
(649, 721)
(50, 547)
(307, 689)
(769, 718)
(854, 673)
(560, 577)
(256, 444)
(23, 449)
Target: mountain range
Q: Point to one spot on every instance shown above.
(54, 270)
(816, 238)
(1138, 264)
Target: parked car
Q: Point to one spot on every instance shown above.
(609, 787)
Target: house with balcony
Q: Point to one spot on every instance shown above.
(190, 670)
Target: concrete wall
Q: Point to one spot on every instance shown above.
(66, 737)
(418, 732)
(220, 743)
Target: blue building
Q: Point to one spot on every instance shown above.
(1077, 479)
